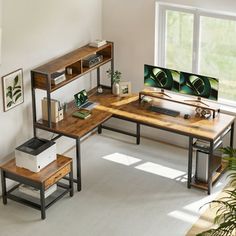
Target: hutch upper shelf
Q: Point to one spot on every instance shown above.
(41, 76)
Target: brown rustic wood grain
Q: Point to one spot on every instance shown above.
(46, 173)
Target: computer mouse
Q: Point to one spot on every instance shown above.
(186, 116)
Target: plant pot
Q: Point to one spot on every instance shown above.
(116, 88)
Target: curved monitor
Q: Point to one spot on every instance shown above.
(199, 85)
(162, 78)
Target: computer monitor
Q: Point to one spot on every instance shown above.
(199, 85)
(163, 78)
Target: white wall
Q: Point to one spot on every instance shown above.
(131, 25)
(34, 32)
(0, 31)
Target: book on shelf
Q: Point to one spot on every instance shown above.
(82, 114)
(33, 192)
(98, 43)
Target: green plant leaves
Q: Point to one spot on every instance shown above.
(226, 212)
(9, 92)
(16, 81)
(17, 97)
(14, 92)
(228, 151)
(9, 104)
(116, 76)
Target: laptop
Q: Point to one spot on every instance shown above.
(81, 101)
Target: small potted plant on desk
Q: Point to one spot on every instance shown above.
(116, 77)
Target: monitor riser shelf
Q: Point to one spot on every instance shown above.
(184, 102)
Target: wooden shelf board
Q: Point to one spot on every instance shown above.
(70, 78)
(105, 60)
(216, 176)
(175, 99)
(68, 59)
(41, 176)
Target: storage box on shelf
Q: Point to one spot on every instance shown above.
(56, 110)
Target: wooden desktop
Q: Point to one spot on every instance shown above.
(127, 108)
(130, 109)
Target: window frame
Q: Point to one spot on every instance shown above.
(160, 34)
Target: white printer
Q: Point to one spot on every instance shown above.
(35, 154)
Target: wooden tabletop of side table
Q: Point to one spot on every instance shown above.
(40, 176)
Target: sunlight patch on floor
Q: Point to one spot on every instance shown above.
(201, 205)
(121, 159)
(161, 170)
(183, 216)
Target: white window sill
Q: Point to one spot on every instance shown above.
(230, 110)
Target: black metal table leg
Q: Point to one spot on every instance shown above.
(98, 76)
(4, 188)
(78, 164)
(42, 202)
(209, 180)
(232, 136)
(138, 134)
(100, 129)
(190, 160)
(33, 104)
(71, 181)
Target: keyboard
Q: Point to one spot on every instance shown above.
(164, 111)
(87, 104)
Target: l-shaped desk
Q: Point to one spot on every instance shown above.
(130, 109)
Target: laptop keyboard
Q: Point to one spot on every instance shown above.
(87, 104)
(164, 111)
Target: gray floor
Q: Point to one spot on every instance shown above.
(127, 190)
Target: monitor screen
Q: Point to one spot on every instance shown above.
(162, 78)
(80, 98)
(199, 85)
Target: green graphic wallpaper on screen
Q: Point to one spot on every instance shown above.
(161, 78)
(181, 82)
(198, 85)
(80, 98)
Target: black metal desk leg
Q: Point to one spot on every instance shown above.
(100, 129)
(42, 202)
(71, 181)
(138, 134)
(98, 76)
(190, 161)
(232, 136)
(209, 180)
(78, 164)
(4, 188)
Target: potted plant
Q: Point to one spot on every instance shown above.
(116, 77)
(226, 206)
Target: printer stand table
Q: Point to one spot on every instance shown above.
(42, 180)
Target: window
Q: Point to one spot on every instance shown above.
(198, 41)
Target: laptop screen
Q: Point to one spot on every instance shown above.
(81, 98)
